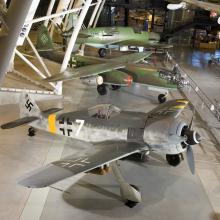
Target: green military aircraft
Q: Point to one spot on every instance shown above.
(110, 134)
(116, 72)
(114, 37)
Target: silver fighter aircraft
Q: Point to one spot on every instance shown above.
(114, 134)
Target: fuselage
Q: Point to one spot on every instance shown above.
(100, 36)
(159, 135)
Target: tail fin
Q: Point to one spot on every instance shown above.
(28, 106)
(44, 41)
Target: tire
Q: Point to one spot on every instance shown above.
(102, 52)
(173, 159)
(162, 98)
(101, 89)
(115, 87)
(210, 62)
(31, 132)
(130, 204)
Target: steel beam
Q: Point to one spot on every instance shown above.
(73, 38)
(15, 18)
(98, 13)
(49, 11)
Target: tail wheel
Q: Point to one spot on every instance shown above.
(102, 52)
(115, 87)
(162, 98)
(101, 89)
(31, 132)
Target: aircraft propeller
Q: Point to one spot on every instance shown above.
(191, 138)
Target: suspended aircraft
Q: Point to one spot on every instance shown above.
(114, 37)
(174, 5)
(116, 72)
(113, 134)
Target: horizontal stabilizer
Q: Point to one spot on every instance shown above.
(51, 110)
(19, 122)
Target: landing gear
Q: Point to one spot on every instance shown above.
(115, 87)
(101, 89)
(31, 132)
(130, 193)
(130, 203)
(102, 52)
(210, 62)
(174, 159)
(162, 98)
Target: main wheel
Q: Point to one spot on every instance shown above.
(115, 87)
(130, 203)
(162, 98)
(173, 159)
(101, 89)
(31, 132)
(102, 52)
(210, 62)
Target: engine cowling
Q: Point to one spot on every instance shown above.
(116, 77)
(93, 80)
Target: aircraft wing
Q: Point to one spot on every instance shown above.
(205, 5)
(95, 69)
(171, 108)
(100, 154)
(201, 4)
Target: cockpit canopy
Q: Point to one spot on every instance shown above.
(104, 111)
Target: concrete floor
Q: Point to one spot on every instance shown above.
(168, 193)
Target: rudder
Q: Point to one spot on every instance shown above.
(28, 106)
(44, 41)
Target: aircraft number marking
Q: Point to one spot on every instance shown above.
(66, 128)
(81, 123)
(29, 105)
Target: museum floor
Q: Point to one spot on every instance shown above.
(167, 192)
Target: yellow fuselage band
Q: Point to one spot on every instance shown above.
(52, 123)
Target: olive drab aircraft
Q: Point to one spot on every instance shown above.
(115, 72)
(113, 37)
(212, 7)
(114, 134)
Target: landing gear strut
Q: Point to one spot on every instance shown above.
(102, 52)
(101, 89)
(130, 193)
(162, 98)
(31, 132)
(115, 87)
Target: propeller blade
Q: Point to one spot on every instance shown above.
(190, 159)
(194, 111)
